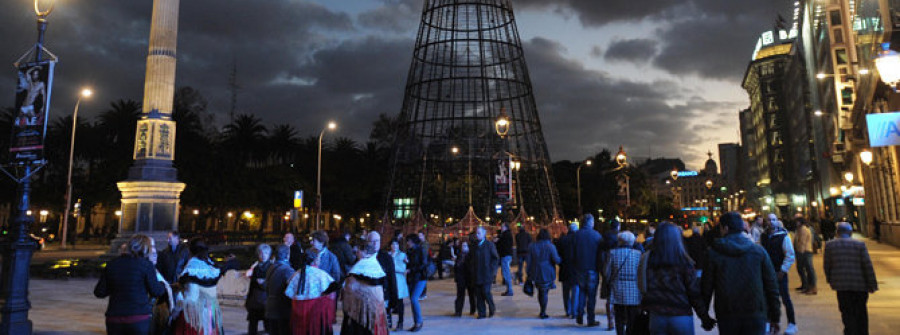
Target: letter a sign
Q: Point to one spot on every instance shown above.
(884, 129)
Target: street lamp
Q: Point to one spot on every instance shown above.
(621, 157)
(674, 173)
(866, 157)
(848, 176)
(331, 126)
(502, 123)
(888, 64)
(85, 93)
(578, 181)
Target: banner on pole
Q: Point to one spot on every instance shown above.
(32, 108)
(502, 179)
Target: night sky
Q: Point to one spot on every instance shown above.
(661, 77)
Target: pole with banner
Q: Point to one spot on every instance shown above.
(26, 157)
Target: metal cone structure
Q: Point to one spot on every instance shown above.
(452, 154)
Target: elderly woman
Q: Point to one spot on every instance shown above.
(363, 296)
(129, 281)
(621, 270)
(256, 295)
(542, 261)
(198, 304)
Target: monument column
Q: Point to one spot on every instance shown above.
(150, 195)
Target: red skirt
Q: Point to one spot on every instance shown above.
(181, 327)
(313, 317)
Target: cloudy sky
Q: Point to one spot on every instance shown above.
(661, 77)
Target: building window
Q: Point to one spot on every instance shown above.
(838, 36)
(403, 208)
(840, 55)
(835, 17)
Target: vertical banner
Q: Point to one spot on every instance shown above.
(502, 179)
(29, 127)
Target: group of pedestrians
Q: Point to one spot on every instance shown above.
(653, 287)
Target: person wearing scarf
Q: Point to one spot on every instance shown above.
(197, 307)
(312, 304)
(363, 296)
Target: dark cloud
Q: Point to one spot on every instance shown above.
(596, 51)
(583, 111)
(631, 50)
(393, 16)
(594, 12)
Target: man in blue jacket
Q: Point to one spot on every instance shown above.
(587, 243)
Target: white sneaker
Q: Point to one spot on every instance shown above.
(791, 329)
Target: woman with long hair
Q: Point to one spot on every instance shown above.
(312, 310)
(542, 261)
(669, 286)
(197, 310)
(129, 281)
(400, 261)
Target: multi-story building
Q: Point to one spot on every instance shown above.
(776, 122)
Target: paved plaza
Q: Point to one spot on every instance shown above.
(69, 307)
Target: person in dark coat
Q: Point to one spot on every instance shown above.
(341, 249)
(505, 251)
(463, 280)
(323, 259)
(444, 254)
(542, 261)
(587, 244)
(696, 248)
(171, 260)
(827, 227)
(130, 281)
(523, 244)
(483, 263)
(278, 305)
(416, 276)
(566, 248)
(296, 256)
(389, 283)
(607, 243)
(256, 294)
(742, 277)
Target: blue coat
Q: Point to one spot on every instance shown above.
(542, 260)
(587, 244)
(129, 282)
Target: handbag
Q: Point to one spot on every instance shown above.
(528, 288)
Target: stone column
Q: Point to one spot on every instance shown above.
(150, 195)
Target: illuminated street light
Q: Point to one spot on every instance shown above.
(118, 213)
(821, 75)
(196, 212)
(674, 173)
(587, 162)
(85, 93)
(818, 112)
(502, 123)
(454, 150)
(709, 184)
(331, 126)
(230, 214)
(866, 157)
(848, 176)
(248, 215)
(863, 71)
(621, 157)
(888, 65)
(833, 191)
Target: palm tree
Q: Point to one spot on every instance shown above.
(244, 136)
(282, 144)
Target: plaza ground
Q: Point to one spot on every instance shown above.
(69, 307)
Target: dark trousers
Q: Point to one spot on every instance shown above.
(135, 328)
(805, 270)
(785, 292)
(741, 326)
(253, 319)
(483, 294)
(587, 284)
(397, 309)
(521, 260)
(542, 299)
(461, 290)
(279, 326)
(624, 317)
(571, 295)
(854, 312)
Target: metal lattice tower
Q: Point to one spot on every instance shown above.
(467, 66)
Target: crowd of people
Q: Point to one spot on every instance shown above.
(653, 286)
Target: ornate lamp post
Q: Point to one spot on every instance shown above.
(709, 185)
(331, 126)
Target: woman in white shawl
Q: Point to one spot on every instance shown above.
(197, 310)
(363, 296)
(312, 305)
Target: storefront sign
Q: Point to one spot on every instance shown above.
(884, 129)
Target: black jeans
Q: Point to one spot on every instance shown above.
(398, 309)
(136, 328)
(854, 312)
(542, 299)
(785, 292)
(741, 325)
(483, 293)
(461, 290)
(624, 317)
(253, 319)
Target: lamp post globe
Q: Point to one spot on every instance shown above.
(674, 174)
(502, 123)
(621, 157)
(866, 157)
